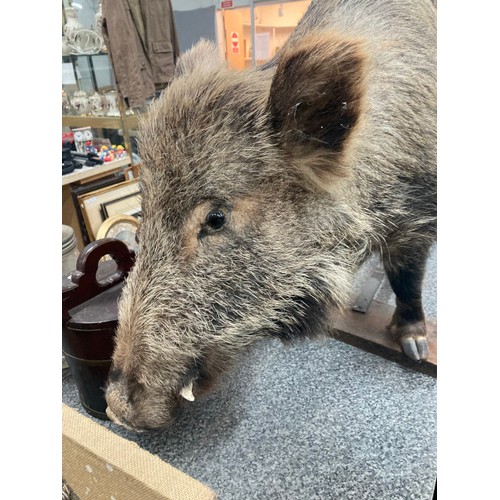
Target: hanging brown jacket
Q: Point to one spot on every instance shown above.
(142, 45)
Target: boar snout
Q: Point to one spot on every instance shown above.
(120, 410)
(137, 408)
(127, 403)
(118, 404)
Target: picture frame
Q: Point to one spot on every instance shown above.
(78, 190)
(129, 204)
(91, 204)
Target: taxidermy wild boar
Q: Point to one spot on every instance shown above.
(264, 190)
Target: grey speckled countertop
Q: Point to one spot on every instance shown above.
(318, 420)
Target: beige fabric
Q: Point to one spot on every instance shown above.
(99, 464)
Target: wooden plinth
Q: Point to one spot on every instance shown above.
(368, 331)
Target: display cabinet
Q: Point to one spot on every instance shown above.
(89, 92)
(90, 101)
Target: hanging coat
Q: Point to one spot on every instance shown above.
(142, 45)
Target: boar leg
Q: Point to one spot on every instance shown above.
(406, 275)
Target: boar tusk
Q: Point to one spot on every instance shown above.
(187, 392)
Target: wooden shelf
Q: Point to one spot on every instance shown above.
(113, 122)
(86, 172)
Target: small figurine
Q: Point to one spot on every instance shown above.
(89, 148)
(103, 153)
(110, 153)
(120, 151)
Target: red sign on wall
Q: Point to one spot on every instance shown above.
(235, 42)
(228, 4)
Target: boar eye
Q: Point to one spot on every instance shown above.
(215, 220)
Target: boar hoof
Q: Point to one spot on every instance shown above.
(415, 347)
(412, 338)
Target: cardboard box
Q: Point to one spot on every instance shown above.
(99, 464)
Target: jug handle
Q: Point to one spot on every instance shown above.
(85, 276)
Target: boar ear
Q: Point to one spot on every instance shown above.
(315, 104)
(203, 54)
